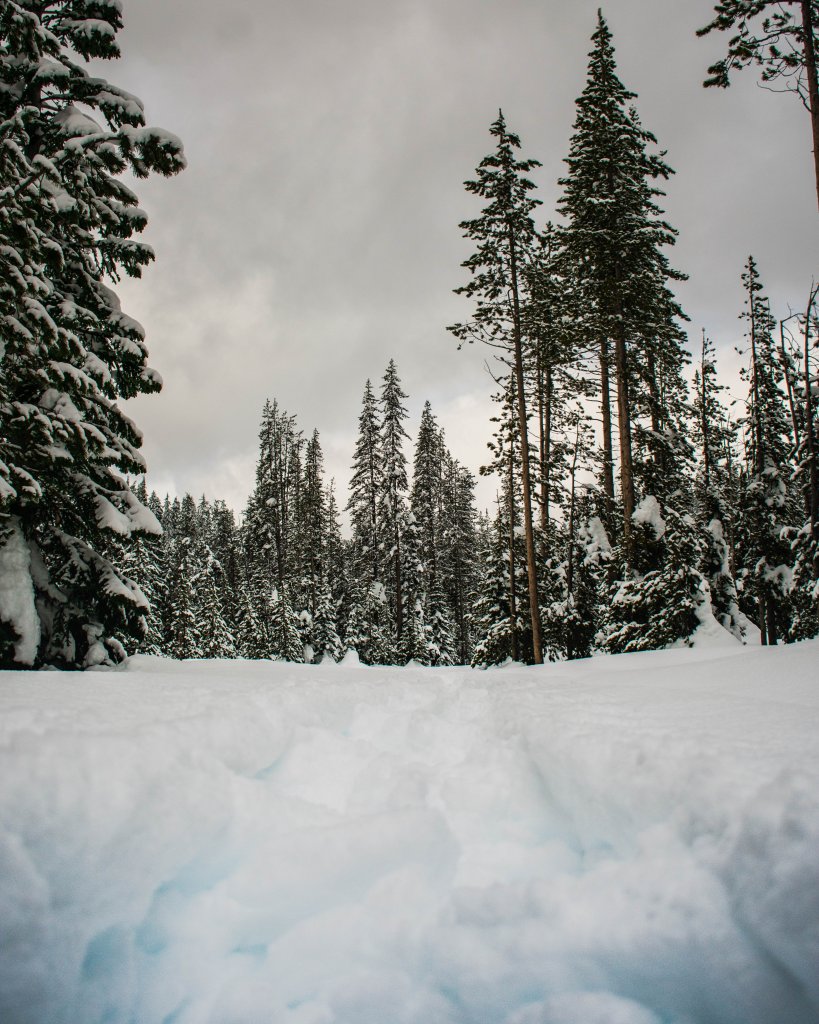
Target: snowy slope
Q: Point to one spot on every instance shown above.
(625, 840)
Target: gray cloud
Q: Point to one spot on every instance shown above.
(314, 235)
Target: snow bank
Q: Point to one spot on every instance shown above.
(627, 840)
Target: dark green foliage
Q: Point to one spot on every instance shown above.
(68, 224)
(663, 605)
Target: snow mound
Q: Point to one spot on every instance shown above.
(624, 840)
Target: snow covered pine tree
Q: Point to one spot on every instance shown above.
(67, 352)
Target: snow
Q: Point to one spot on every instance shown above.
(623, 840)
(648, 513)
(16, 592)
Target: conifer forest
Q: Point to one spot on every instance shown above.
(636, 503)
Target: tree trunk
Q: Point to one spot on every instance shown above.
(626, 467)
(541, 418)
(654, 402)
(524, 455)
(706, 447)
(547, 469)
(813, 84)
(608, 452)
(513, 590)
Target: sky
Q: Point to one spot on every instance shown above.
(314, 235)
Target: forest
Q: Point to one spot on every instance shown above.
(635, 504)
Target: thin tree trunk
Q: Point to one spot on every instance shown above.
(706, 447)
(513, 589)
(654, 403)
(541, 419)
(786, 370)
(608, 451)
(813, 84)
(570, 555)
(811, 441)
(547, 469)
(524, 456)
(626, 467)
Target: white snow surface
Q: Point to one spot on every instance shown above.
(648, 512)
(624, 840)
(17, 606)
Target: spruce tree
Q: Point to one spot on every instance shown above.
(216, 638)
(285, 641)
(365, 489)
(612, 244)
(67, 224)
(459, 547)
(714, 438)
(392, 508)
(768, 509)
(505, 237)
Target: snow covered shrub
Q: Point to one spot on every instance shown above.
(664, 603)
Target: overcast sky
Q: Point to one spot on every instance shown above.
(315, 234)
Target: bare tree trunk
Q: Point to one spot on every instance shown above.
(810, 440)
(813, 84)
(543, 446)
(654, 403)
(570, 555)
(513, 590)
(605, 410)
(706, 447)
(626, 467)
(524, 456)
(786, 370)
(547, 469)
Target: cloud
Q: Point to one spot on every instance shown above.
(315, 234)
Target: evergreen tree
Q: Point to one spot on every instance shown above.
(427, 493)
(184, 637)
(713, 435)
(768, 508)
(285, 641)
(612, 251)
(365, 488)
(505, 237)
(664, 605)
(67, 223)
(252, 639)
(216, 638)
(392, 509)
(459, 546)
(325, 639)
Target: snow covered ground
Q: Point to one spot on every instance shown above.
(625, 840)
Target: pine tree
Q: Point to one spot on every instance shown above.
(612, 250)
(459, 546)
(392, 508)
(67, 223)
(285, 641)
(664, 605)
(426, 493)
(252, 639)
(768, 509)
(505, 237)
(184, 638)
(713, 436)
(365, 488)
(217, 640)
(325, 639)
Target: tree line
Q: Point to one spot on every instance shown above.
(632, 509)
(286, 584)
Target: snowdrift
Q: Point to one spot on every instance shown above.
(627, 840)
